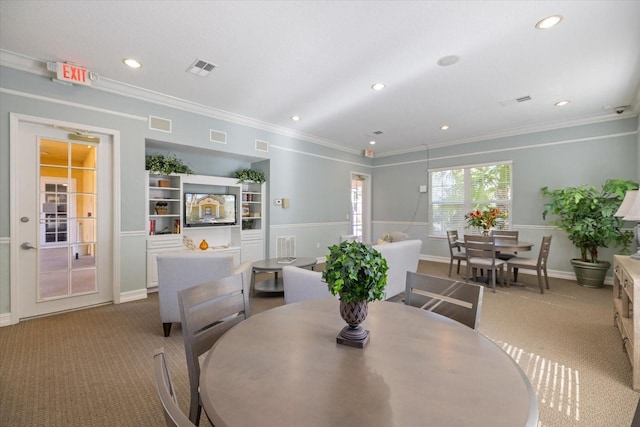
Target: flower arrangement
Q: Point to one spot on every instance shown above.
(485, 218)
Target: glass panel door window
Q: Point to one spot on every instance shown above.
(67, 256)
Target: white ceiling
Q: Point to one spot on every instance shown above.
(318, 60)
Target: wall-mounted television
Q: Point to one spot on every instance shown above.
(209, 209)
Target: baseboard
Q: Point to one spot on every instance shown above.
(5, 319)
(136, 295)
(557, 274)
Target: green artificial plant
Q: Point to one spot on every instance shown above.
(586, 215)
(355, 272)
(249, 175)
(160, 164)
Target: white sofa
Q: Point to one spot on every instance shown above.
(300, 284)
(401, 257)
(179, 270)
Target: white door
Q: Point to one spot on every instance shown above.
(361, 206)
(63, 225)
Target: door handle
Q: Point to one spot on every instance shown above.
(27, 245)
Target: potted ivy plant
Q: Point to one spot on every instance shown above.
(357, 273)
(160, 164)
(249, 175)
(586, 214)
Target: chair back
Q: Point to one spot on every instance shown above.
(456, 300)
(544, 251)
(480, 247)
(301, 284)
(505, 234)
(452, 236)
(207, 311)
(172, 413)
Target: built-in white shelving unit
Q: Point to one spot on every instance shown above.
(166, 219)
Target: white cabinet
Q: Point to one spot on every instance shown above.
(626, 290)
(253, 221)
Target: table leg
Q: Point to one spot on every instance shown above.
(253, 283)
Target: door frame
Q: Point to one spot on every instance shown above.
(15, 121)
(366, 206)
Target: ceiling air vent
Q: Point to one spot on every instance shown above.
(515, 100)
(262, 145)
(217, 136)
(201, 67)
(158, 123)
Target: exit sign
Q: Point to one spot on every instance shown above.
(73, 74)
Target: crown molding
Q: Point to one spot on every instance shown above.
(39, 67)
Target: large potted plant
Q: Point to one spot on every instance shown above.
(357, 273)
(586, 214)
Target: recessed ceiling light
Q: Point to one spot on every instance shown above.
(446, 61)
(372, 142)
(132, 63)
(444, 127)
(562, 103)
(377, 86)
(295, 118)
(549, 21)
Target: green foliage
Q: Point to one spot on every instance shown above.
(157, 163)
(356, 272)
(586, 215)
(252, 175)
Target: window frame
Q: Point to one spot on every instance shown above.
(467, 203)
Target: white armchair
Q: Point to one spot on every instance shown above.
(180, 270)
(301, 284)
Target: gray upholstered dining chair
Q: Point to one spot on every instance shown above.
(455, 252)
(456, 300)
(172, 413)
(301, 284)
(539, 264)
(207, 311)
(481, 254)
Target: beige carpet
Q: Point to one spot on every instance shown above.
(94, 367)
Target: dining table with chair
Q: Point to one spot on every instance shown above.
(283, 367)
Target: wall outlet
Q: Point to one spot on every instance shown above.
(423, 188)
(317, 245)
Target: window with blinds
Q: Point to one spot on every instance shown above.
(455, 192)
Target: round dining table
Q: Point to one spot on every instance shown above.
(283, 367)
(507, 245)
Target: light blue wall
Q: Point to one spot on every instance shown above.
(314, 177)
(587, 154)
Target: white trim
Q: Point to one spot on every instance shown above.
(507, 149)
(71, 104)
(35, 66)
(291, 150)
(135, 233)
(510, 133)
(417, 223)
(135, 295)
(557, 274)
(5, 319)
(5, 240)
(14, 125)
(309, 224)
